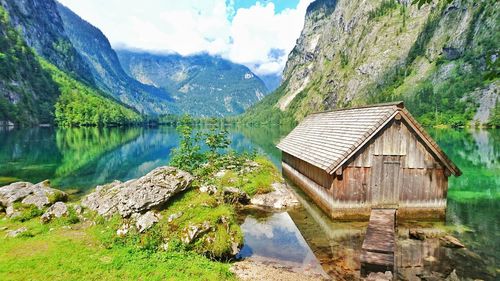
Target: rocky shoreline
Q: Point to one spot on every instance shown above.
(139, 205)
(142, 203)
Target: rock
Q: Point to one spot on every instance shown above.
(451, 242)
(234, 195)
(210, 189)
(220, 174)
(40, 194)
(451, 53)
(58, 210)
(453, 276)
(17, 232)
(430, 259)
(431, 276)
(123, 230)
(14, 192)
(175, 216)
(280, 198)
(235, 248)
(379, 276)
(417, 234)
(425, 233)
(193, 231)
(11, 212)
(146, 221)
(138, 195)
(487, 98)
(78, 209)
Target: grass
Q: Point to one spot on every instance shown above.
(27, 212)
(79, 254)
(198, 208)
(71, 249)
(258, 181)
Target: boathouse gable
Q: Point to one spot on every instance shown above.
(349, 161)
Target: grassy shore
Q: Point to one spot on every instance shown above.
(88, 247)
(58, 251)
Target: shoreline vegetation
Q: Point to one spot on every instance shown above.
(175, 120)
(190, 232)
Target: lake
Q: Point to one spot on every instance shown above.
(80, 159)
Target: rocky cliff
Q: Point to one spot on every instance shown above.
(201, 85)
(43, 30)
(441, 59)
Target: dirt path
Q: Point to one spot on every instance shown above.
(254, 270)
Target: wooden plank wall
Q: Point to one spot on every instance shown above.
(422, 177)
(353, 185)
(314, 173)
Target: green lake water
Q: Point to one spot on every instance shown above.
(85, 157)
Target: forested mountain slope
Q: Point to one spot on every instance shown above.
(441, 59)
(27, 92)
(33, 91)
(43, 30)
(201, 85)
(106, 70)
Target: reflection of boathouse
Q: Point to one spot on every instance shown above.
(351, 160)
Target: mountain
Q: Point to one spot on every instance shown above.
(106, 70)
(202, 85)
(27, 93)
(441, 59)
(272, 81)
(34, 91)
(43, 30)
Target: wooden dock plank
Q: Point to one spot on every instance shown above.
(379, 244)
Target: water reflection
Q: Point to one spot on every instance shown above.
(274, 237)
(86, 157)
(472, 216)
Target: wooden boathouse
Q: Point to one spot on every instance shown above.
(351, 160)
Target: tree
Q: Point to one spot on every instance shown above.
(187, 156)
(216, 139)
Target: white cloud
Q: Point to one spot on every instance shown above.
(257, 37)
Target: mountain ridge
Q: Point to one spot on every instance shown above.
(202, 84)
(106, 69)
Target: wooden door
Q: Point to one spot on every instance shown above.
(385, 189)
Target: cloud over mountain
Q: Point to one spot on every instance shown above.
(259, 36)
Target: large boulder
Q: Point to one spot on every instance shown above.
(280, 198)
(138, 195)
(58, 210)
(40, 194)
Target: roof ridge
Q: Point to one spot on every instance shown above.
(396, 103)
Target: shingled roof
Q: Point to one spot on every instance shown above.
(328, 139)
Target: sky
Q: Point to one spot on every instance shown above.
(259, 34)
